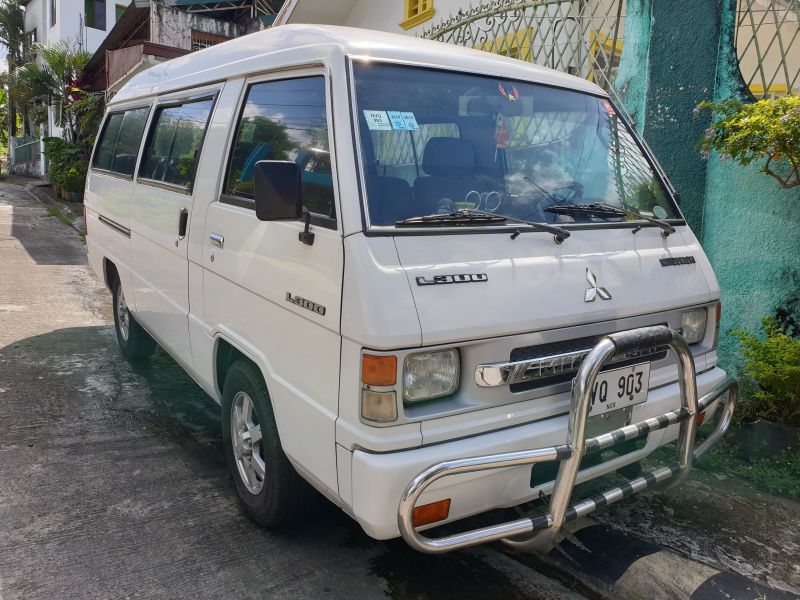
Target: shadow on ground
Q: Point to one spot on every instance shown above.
(113, 476)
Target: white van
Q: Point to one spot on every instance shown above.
(428, 281)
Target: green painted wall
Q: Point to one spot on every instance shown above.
(684, 38)
(632, 76)
(677, 53)
(751, 229)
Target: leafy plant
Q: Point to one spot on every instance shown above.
(772, 364)
(61, 155)
(55, 81)
(74, 180)
(767, 130)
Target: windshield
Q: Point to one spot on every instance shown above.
(438, 142)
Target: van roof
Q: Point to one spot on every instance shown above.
(241, 56)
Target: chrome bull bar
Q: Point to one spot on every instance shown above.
(541, 532)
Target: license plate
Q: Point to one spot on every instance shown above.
(619, 388)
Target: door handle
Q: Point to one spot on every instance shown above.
(217, 239)
(183, 222)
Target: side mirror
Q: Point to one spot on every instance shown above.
(278, 191)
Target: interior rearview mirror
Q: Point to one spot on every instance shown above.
(277, 192)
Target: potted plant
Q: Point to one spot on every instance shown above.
(75, 181)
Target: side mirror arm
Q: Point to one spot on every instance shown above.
(306, 236)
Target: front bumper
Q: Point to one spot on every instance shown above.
(379, 481)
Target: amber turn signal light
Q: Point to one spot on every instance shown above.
(378, 370)
(431, 513)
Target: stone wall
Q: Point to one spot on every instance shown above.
(173, 27)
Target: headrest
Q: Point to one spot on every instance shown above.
(448, 157)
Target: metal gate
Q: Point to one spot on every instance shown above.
(580, 37)
(768, 46)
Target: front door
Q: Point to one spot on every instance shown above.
(160, 212)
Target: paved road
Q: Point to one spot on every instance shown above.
(112, 482)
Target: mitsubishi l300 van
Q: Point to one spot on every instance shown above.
(426, 281)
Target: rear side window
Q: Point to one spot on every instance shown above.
(174, 142)
(285, 120)
(119, 141)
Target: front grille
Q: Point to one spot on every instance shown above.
(567, 346)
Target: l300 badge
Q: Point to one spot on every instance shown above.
(462, 278)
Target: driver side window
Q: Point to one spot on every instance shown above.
(285, 120)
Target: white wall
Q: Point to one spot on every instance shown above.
(36, 18)
(383, 15)
(69, 16)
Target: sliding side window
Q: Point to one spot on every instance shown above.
(285, 120)
(174, 143)
(119, 141)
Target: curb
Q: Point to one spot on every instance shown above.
(75, 222)
(617, 565)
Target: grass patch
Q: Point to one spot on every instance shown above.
(56, 212)
(778, 475)
(12, 181)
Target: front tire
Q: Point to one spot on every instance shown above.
(270, 491)
(134, 341)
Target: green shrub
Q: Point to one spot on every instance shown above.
(767, 131)
(61, 156)
(74, 180)
(772, 366)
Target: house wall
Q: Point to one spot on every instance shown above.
(36, 17)
(70, 14)
(173, 27)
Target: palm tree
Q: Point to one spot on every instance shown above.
(54, 81)
(12, 36)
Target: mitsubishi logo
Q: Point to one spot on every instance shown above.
(594, 289)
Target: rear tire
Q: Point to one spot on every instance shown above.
(134, 341)
(270, 491)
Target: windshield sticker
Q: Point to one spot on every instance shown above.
(377, 120)
(397, 120)
(511, 95)
(411, 121)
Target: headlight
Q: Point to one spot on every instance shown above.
(693, 325)
(430, 375)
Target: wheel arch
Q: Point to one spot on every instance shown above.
(110, 273)
(226, 353)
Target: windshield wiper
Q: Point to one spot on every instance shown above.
(601, 209)
(460, 217)
(472, 216)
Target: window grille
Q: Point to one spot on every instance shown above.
(768, 46)
(201, 39)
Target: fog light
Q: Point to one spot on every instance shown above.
(693, 325)
(380, 407)
(431, 513)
